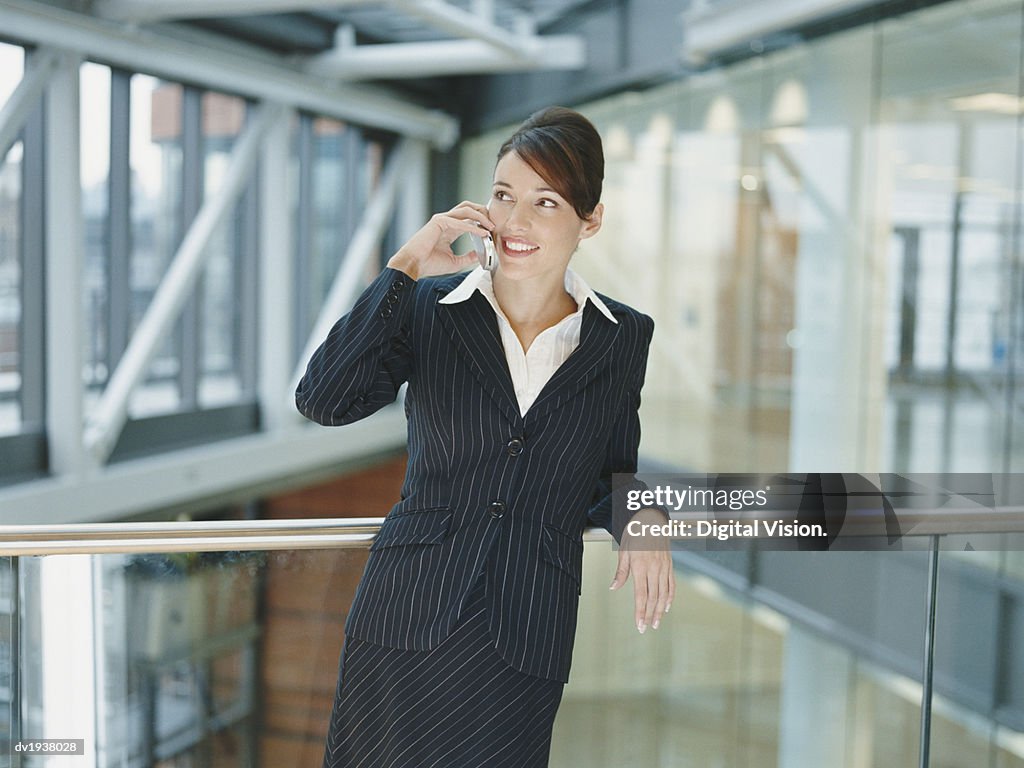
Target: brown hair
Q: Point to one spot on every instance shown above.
(564, 149)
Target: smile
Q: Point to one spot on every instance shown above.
(517, 247)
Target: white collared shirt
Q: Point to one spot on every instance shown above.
(531, 369)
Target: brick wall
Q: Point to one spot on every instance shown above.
(308, 593)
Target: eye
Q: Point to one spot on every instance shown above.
(547, 202)
(500, 194)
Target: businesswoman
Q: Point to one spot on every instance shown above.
(523, 390)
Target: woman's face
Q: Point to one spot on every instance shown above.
(536, 229)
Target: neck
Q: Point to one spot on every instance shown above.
(537, 300)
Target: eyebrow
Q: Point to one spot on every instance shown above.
(537, 189)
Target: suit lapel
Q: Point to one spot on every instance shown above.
(474, 327)
(597, 335)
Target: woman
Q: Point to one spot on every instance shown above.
(522, 402)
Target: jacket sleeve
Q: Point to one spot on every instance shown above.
(365, 358)
(608, 508)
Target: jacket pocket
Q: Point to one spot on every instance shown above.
(414, 526)
(564, 552)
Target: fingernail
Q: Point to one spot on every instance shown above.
(612, 585)
(655, 624)
(667, 607)
(641, 627)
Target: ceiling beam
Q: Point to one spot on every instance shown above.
(158, 10)
(470, 26)
(711, 28)
(445, 57)
(237, 69)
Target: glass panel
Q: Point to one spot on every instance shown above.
(223, 118)
(189, 647)
(94, 82)
(978, 708)
(167, 659)
(832, 188)
(8, 700)
(334, 170)
(156, 193)
(331, 192)
(677, 217)
(1013, 556)
(948, 145)
(801, 673)
(298, 211)
(11, 67)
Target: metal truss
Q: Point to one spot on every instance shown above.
(38, 69)
(178, 54)
(83, 486)
(479, 45)
(447, 57)
(110, 414)
(140, 11)
(714, 27)
(362, 247)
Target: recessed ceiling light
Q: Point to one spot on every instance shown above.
(1000, 103)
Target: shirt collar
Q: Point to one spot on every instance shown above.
(480, 279)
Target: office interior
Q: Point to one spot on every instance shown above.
(818, 201)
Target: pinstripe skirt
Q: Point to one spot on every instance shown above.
(459, 705)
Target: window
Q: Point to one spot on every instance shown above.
(153, 153)
(11, 67)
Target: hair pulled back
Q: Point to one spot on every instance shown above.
(564, 149)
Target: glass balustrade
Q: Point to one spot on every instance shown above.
(767, 659)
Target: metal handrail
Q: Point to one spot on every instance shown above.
(341, 533)
(199, 536)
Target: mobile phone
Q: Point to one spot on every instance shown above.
(485, 251)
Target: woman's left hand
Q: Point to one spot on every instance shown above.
(654, 581)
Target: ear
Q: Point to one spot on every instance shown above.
(592, 224)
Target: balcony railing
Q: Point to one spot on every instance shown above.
(217, 642)
(317, 533)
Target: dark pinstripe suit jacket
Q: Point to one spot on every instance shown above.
(485, 486)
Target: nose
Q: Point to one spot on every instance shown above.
(517, 220)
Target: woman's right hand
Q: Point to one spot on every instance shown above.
(429, 251)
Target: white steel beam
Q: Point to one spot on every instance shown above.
(227, 471)
(38, 69)
(239, 69)
(64, 328)
(471, 26)
(484, 9)
(445, 57)
(437, 13)
(276, 256)
(712, 28)
(157, 10)
(413, 202)
(111, 411)
(362, 246)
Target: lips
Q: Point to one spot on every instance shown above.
(515, 246)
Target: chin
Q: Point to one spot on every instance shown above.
(513, 266)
